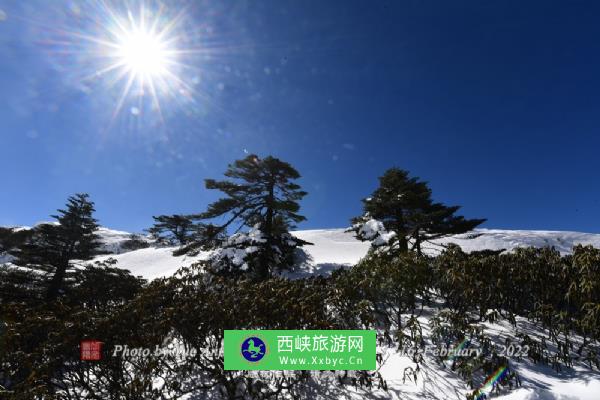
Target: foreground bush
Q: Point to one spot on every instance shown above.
(191, 310)
(562, 293)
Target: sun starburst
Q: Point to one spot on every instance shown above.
(142, 51)
(135, 52)
(149, 57)
(143, 54)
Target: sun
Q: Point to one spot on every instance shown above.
(140, 50)
(143, 54)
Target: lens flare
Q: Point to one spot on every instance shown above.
(490, 382)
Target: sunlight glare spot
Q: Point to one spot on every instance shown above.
(143, 54)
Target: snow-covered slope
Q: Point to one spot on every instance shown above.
(333, 248)
(114, 242)
(152, 262)
(340, 247)
(496, 239)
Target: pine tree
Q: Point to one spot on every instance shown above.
(403, 205)
(10, 238)
(51, 247)
(175, 229)
(15, 283)
(259, 194)
(5, 235)
(439, 221)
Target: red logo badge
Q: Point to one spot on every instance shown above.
(90, 350)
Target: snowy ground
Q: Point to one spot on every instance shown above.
(335, 248)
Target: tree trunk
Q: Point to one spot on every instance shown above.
(263, 268)
(402, 244)
(418, 243)
(400, 230)
(56, 282)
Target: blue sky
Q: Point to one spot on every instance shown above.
(495, 104)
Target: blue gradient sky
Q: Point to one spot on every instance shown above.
(495, 104)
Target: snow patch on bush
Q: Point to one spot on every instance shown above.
(374, 231)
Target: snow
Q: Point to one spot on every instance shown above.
(371, 229)
(5, 258)
(332, 248)
(152, 263)
(337, 246)
(112, 240)
(496, 239)
(375, 232)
